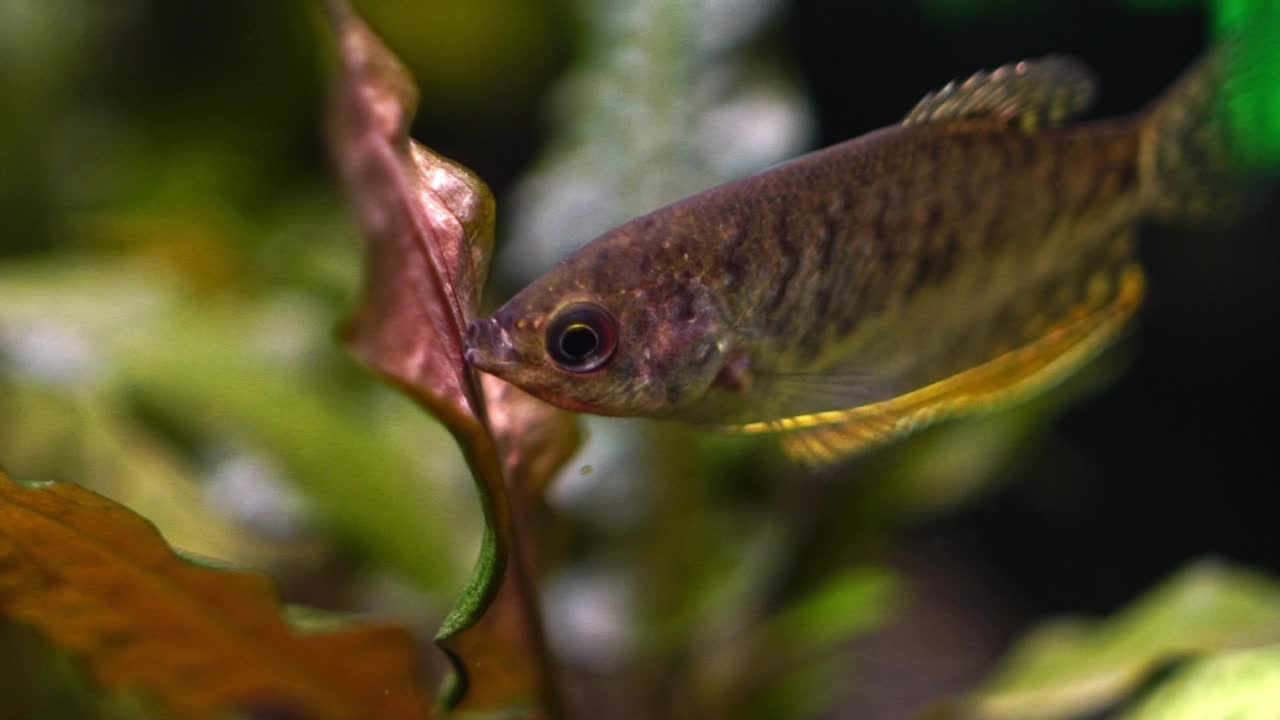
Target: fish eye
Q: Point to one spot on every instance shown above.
(582, 337)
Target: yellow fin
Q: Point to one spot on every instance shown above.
(1008, 378)
(1031, 94)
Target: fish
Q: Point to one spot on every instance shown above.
(965, 259)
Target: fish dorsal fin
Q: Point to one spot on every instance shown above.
(1005, 379)
(1030, 95)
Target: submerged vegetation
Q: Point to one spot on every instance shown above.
(176, 254)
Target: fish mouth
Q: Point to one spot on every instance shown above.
(488, 346)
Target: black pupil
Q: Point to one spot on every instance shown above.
(579, 341)
(581, 338)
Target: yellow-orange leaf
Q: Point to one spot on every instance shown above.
(101, 583)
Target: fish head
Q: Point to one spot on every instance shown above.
(608, 334)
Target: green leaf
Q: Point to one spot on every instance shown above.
(1067, 668)
(1242, 685)
(1252, 97)
(806, 674)
(846, 605)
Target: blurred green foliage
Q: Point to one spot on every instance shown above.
(1253, 101)
(1071, 668)
(178, 258)
(46, 684)
(484, 60)
(1242, 685)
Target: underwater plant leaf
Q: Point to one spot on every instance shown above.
(429, 227)
(802, 648)
(102, 585)
(845, 606)
(38, 681)
(535, 438)
(1242, 685)
(429, 223)
(1251, 104)
(1067, 668)
(213, 378)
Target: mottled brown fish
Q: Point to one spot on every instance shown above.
(970, 256)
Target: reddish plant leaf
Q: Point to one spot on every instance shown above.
(429, 226)
(535, 438)
(100, 583)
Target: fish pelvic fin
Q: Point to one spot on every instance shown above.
(1216, 132)
(1028, 95)
(1009, 378)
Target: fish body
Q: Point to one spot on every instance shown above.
(971, 255)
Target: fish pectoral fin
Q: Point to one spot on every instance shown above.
(1008, 378)
(1031, 94)
(794, 394)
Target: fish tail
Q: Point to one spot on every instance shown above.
(1213, 135)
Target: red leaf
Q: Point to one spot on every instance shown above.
(429, 226)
